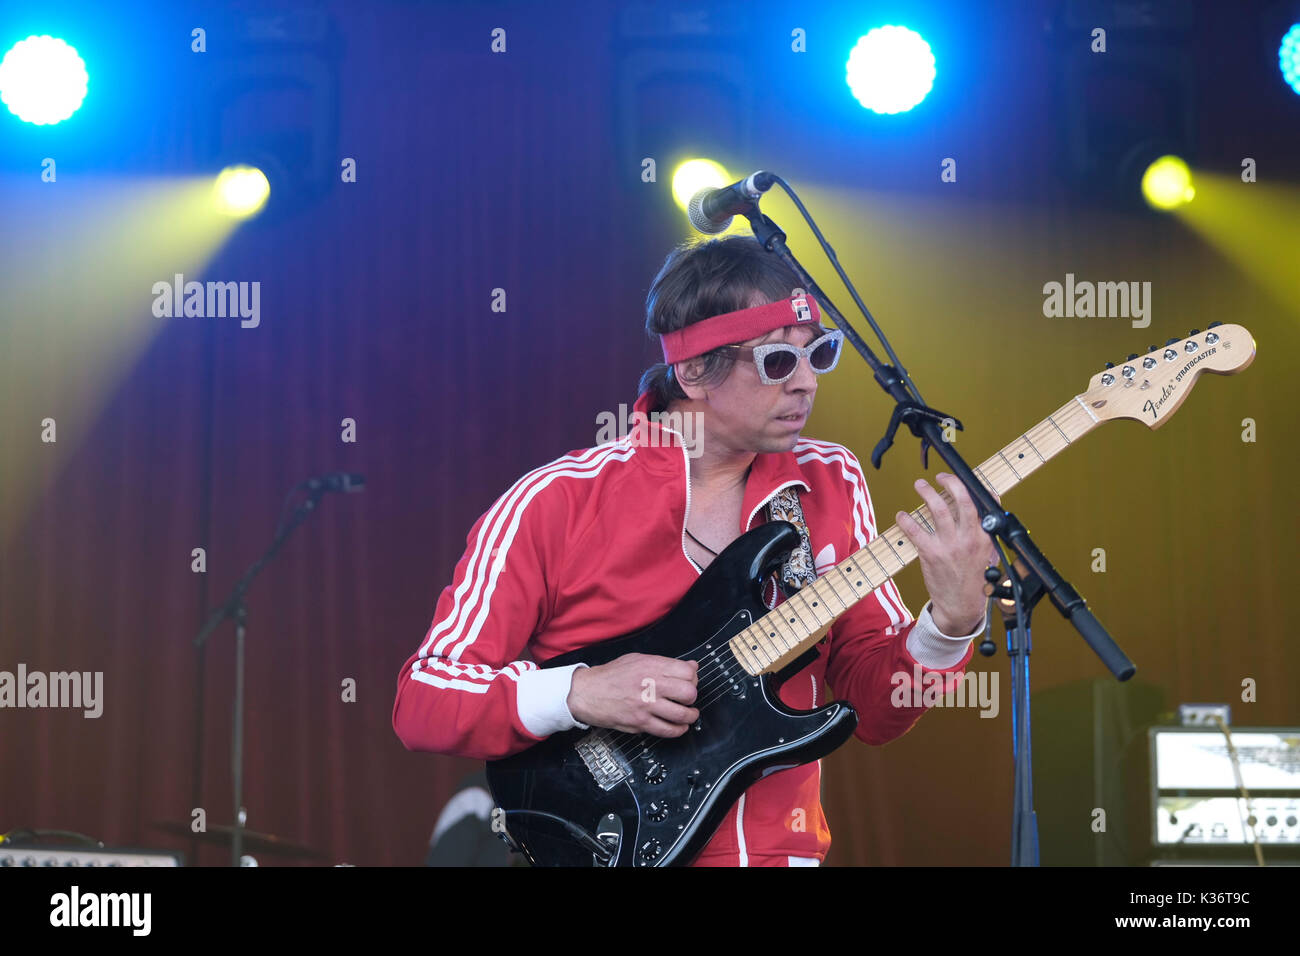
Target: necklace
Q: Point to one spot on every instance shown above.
(699, 542)
(744, 478)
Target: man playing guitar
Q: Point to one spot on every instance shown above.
(605, 540)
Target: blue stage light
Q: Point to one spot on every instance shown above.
(1288, 57)
(891, 69)
(42, 80)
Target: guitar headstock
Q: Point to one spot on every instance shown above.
(1150, 387)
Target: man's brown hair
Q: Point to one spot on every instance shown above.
(701, 279)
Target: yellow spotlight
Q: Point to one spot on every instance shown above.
(1167, 183)
(694, 175)
(241, 191)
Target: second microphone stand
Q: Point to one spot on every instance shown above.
(236, 610)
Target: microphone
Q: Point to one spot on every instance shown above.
(711, 210)
(337, 481)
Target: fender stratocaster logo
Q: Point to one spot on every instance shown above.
(1167, 391)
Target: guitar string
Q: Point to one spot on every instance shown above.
(726, 674)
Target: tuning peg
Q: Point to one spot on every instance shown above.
(1213, 324)
(1152, 348)
(1132, 357)
(1110, 364)
(1171, 341)
(1193, 332)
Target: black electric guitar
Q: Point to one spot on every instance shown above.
(607, 798)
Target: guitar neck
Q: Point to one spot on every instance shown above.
(794, 626)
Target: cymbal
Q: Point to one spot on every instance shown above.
(253, 841)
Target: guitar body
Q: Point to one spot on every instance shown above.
(656, 801)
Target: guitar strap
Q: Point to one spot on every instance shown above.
(798, 570)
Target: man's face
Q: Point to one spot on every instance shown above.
(743, 414)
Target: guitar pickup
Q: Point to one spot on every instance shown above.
(607, 767)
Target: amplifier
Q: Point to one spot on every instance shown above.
(37, 855)
(1195, 796)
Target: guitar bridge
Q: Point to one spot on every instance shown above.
(607, 767)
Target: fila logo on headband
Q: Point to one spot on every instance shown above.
(800, 306)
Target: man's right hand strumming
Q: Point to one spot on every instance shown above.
(636, 693)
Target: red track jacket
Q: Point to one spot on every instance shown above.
(592, 546)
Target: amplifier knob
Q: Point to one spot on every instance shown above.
(1272, 820)
(1290, 821)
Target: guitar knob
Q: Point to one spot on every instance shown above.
(656, 811)
(655, 773)
(650, 850)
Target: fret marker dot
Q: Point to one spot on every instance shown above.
(814, 603)
(773, 634)
(858, 585)
(791, 620)
(1021, 455)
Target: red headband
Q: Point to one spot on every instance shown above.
(732, 327)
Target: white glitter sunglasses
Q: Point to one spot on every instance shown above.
(777, 361)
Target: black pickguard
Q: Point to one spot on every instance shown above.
(672, 793)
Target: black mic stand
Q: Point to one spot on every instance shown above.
(1015, 597)
(926, 424)
(235, 609)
